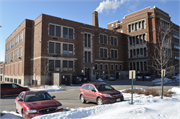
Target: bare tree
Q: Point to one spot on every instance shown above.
(45, 72)
(162, 57)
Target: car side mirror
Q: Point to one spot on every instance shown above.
(53, 97)
(20, 100)
(93, 90)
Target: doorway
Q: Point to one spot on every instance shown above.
(117, 75)
(87, 73)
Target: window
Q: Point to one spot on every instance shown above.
(103, 53)
(176, 45)
(65, 66)
(113, 40)
(116, 67)
(144, 38)
(145, 66)
(65, 32)
(51, 65)
(133, 40)
(138, 52)
(134, 53)
(130, 53)
(112, 67)
(21, 37)
(135, 26)
(51, 47)
(103, 39)
(145, 52)
(137, 40)
(176, 34)
(87, 57)
(130, 40)
(57, 65)
(55, 30)
(101, 67)
(142, 24)
(20, 52)
(114, 54)
(129, 28)
(17, 40)
(65, 50)
(176, 55)
(19, 81)
(58, 47)
(12, 43)
(95, 66)
(130, 66)
(120, 67)
(58, 31)
(106, 66)
(132, 27)
(12, 55)
(16, 54)
(141, 52)
(70, 49)
(51, 30)
(140, 39)
(70, 65)
(139, 25)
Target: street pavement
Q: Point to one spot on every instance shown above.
(70, 100)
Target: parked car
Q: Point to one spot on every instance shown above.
(35, 103)
(100, 93)
(111, 78)
(79, 79)
(148, 77)
(139, 77)
(11, 89)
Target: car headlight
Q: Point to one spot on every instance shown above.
(31, 111)
(107, 95)
(59, 107)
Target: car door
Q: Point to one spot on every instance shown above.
(91, 93)
(85, 91)
(6, 89)
(19, 103)
(16, 89)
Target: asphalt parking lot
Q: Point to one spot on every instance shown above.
(70, 100)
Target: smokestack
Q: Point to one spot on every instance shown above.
(95, 19)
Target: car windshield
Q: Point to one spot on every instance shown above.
(104, 87)
(30, 97)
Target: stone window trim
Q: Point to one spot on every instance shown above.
(61, 47)
(61, 35)
(107, 67)
(103, 38)
(103, 52)
(111, 67)
(114, 53)
(100, 67)
(91, 35)
(138, 28)
(113, 39)
(61, 65)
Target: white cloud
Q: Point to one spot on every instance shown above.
(109, 4)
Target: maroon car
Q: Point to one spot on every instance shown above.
(35, 103)
(11, 89)
(100, 93)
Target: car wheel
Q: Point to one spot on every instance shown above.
(99, 101)
(23, 116)
(82, 99)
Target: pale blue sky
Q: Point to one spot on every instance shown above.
(14, 12)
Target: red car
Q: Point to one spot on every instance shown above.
(11, 89)
(100, 93)
(35, 103)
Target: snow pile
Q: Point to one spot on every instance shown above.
(99, 79)
(175, 90)
(10, 115)
(47, 88)
(158, 80)
(176, 77)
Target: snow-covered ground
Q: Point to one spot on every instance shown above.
(167, 80)
(144, 107)
(48, 88)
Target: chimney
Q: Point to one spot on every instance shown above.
(95, 19)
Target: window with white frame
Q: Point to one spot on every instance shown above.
(103, 39)
(87, 57)
(12, 43)
(87, 40)
(103, 52)
(20, 52)
(16, 54)
(55, 30)
(112, 67)
(16, 39)
(21, 37)
(114, 54)
(113, 40)
(176, 34)
(176, 45)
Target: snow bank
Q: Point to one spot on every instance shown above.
(176, 77)
(10, 115)
(47, 88)
(175, 89)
